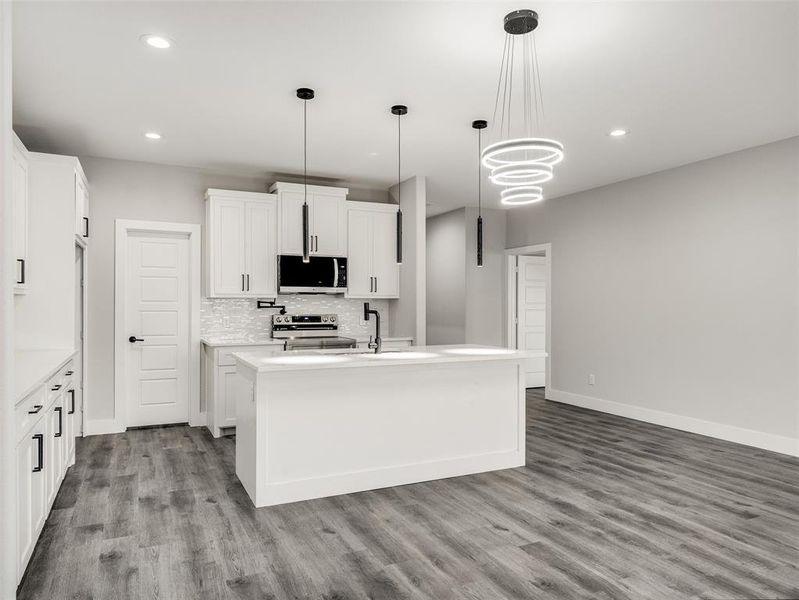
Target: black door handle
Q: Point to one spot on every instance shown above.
(21, 262)
(39, 437)
(60, 412)
(133, 339)
(71, 410)
(86, 227)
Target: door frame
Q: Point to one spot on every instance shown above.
(124, 228)
(511, 278)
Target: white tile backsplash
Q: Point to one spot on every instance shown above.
(243, 320)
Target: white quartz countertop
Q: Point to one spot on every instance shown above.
(415, 355)
(33, 367)
(219, 342)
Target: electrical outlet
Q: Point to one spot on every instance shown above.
(591, 379)
(226, 322)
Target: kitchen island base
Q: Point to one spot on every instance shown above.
(312, 433)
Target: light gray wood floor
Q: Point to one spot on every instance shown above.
(606, 508)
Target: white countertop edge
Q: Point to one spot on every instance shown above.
(32, 367)
(267, 363)
(221, 343)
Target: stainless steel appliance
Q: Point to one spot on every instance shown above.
(311, 332)
(320, 275)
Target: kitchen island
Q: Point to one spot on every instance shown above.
(315, 424)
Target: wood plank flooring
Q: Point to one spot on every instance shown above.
(606, 508)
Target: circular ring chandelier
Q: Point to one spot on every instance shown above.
(524, 194)
(520, 163)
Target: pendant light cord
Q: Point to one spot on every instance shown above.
(479, 178)
(399, 161)
(305, 150)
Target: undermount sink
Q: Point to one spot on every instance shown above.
(400, 354)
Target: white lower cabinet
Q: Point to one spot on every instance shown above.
(223, 385)
(31, 492)
(45, 450)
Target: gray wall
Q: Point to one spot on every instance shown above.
(679, 289)
(464, 301)
(130, 190)
(446, 278)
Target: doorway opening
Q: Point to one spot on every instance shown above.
(528, 309)
(80, 339)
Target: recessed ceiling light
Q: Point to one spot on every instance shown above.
(157, 41)
(152, 135)
(618, 133)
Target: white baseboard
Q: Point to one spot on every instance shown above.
(748, 437)
(102, 427)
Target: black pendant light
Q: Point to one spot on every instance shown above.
(479, 125)
(399, 110)
(305, 94)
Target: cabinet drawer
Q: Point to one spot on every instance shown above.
(224, 358)
(58, 382)
(29, 411)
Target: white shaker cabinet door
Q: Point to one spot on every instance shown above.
(329, 228)
(31, 489)
(360, 278)
(228, 248)
(20, 182)
(290, 211)
(261, 249)
(384, 254)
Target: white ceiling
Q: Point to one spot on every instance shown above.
(690, 80)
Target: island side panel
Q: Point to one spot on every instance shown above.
(249, 447)
(335, 431)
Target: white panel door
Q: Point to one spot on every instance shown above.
(384, 253)
(290, 211)
(329, 229)
(157, 319)
(228, 252)
(531, 310)
(360, 279)
(261, 248)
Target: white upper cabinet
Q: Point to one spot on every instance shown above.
(240, 244)
(372, 269)
(81, 206)
(327, 219)
(20, 208)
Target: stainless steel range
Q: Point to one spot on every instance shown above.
(303, 332)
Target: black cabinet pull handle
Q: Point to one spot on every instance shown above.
(21, 262)
(39, 437)
(71, 410)
(56, 387)
(242, 282)
(86, 227)
(68, 373)
(133, 339)
(36, 409)
(248, 282)
(60, 412)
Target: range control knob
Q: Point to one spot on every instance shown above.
(332, 319)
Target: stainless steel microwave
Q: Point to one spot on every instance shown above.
(321, 275)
